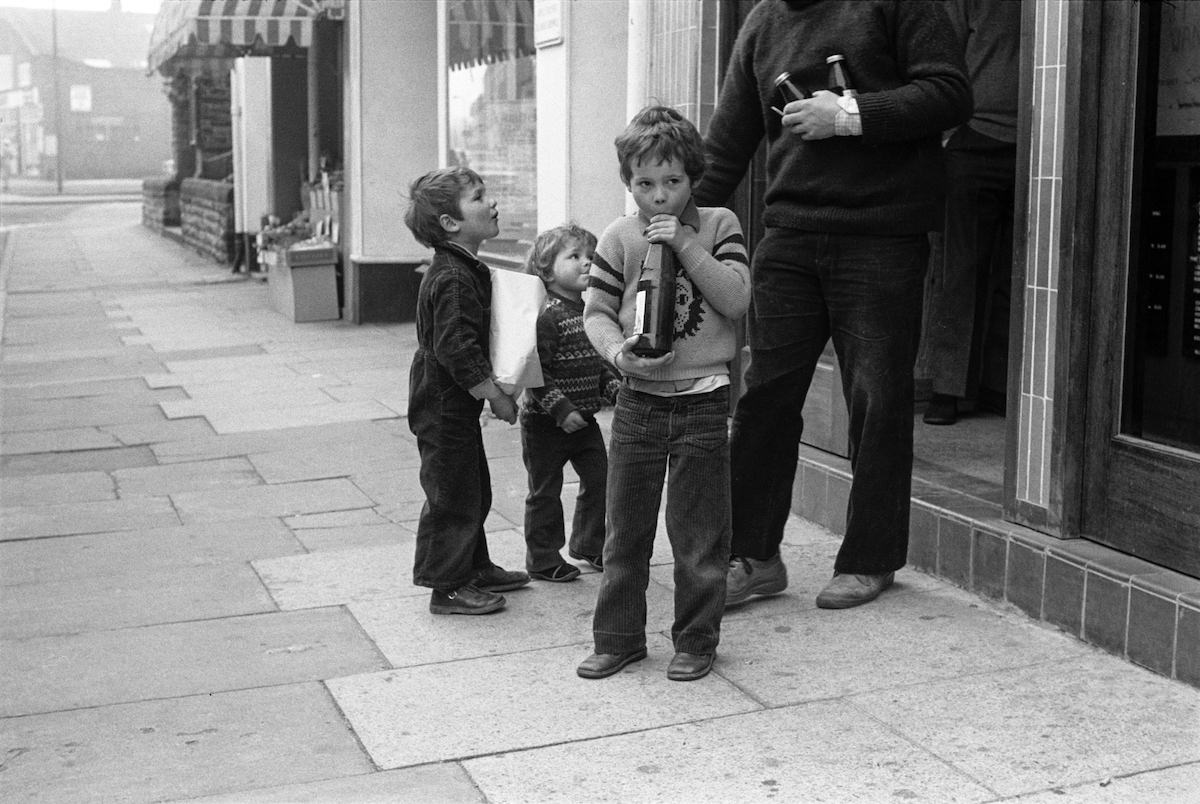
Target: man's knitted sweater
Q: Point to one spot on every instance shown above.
(576, 379)
(907, 65)
(712, 291)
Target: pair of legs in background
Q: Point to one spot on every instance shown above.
(686, 439)
(864, 292)
(546, 449)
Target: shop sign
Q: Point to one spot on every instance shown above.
(81, 97)
(547, 23)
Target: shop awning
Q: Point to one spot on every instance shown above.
(189, 31)
(486, 31)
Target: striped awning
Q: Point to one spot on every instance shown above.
(487, 31)
(186, 31)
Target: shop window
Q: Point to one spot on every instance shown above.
(492, 110)
(682, 70)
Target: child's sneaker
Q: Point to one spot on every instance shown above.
(561, 574)
(596, 561)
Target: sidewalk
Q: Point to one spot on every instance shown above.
(24, 190)
(206, 541)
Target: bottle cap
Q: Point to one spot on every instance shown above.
(835, 57)
(779, 79)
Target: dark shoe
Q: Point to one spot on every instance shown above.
(603, 665)
(495, 579)
(690, 666)
(561, 574)
(846, 591)
(596, 561)
(942, 409)
(464, 600)
(749, 576)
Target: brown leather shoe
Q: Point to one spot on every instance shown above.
(494, 579)
(846, 591)
(690, 666)
(603, 665)
(464, 600)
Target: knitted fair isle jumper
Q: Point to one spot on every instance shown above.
(906, 63)
(576, 379)
(712, 292)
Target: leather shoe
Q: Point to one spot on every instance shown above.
(690, 666)
(494, 579)
(846, 591)
(464, 600)
(603, 665)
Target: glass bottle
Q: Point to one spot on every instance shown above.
(839, 77)
(654, 308)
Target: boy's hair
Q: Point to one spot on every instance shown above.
(433, 195)
(540, 261)
(659, 133)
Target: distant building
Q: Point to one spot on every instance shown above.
(115, 120)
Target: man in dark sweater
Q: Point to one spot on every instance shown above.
(854, 183)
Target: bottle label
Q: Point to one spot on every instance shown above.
(640, 310)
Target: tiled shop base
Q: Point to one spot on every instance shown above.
(1129, 607)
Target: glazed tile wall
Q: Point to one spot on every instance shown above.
(682, 67)
(1033, 470)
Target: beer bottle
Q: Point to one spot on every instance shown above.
(654, 309)
(783, 82)
(839, 78)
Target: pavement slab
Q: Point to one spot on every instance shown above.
(286, 499)
(342, 538)
(379, 457)
(34, 490)
(541, 615)
(444, 782)
(225, 446)
(36, 561)
(1174, 785)
(794, 754)
(98, 603)
(389, 710)
(360, 517)
(240, 421)
(71, 439)
(65, 519)
(197, 745)
(174, 478)
(46, 463)
(1047, 725)
(157, 432)
(178, 659)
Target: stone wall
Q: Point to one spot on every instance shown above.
(206, 215)
(160, 203)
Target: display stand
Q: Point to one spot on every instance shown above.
(303, 281)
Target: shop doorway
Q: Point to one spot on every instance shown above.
(1142, 461)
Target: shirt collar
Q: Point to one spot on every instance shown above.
(689, 216)
(462, 250)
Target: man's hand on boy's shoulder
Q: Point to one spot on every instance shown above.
(668, 230)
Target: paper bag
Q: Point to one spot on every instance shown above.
(516, 301)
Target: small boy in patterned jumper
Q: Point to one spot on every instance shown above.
(558, 420)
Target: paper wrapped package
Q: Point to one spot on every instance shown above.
(517, 299)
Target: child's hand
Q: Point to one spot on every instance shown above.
(636, 366)
(573, 422)
(504, 407)
(666, 229)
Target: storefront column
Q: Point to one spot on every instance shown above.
(391, 112)
(581, 65)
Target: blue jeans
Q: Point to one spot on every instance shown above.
(546, 448)
(684, 438)
(865, 293)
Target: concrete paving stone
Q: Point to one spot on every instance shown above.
(47, 463)
(35, 561)
(71, 410)
(72, 439)
(229, 445)
(249, 386)
(804, 656)
(541, 615)
(500, 439)
(207, 406)
(374, 455)
(444, 782)
(98, 603)
(223, 365)
(285, 499)
(169, 661)
(66, 519)
(34, 490)
(379, 572)
(133, 388)
(280, 418)
(159, 431)
(17, 356)
(1026, 729)
(388, 484)
(118, 367)
(360, 517)
(173, 478)
(342, 538)
(1175, 785)
(390, 711)
(187, 377)
(795, 754)
(216, 743)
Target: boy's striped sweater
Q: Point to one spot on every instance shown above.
(712, 291)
